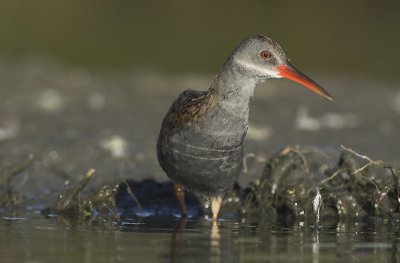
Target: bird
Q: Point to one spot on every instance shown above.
(200, 144)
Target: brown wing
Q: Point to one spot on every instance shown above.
(190, 106)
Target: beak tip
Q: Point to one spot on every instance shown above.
(329, 97)
(290, 72)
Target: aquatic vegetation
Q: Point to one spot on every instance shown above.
(296, 186)
(293, 187)
(99, 204)
(9, 197)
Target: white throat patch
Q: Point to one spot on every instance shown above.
(255, 68)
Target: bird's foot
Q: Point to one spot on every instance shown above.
(214, 220)
(215, 206)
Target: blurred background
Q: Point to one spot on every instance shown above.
(86, 84)
(349, 37)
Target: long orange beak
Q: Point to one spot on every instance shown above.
(290, 72)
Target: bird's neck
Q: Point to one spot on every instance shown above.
(233, 90)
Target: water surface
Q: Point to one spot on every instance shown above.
(32, 238)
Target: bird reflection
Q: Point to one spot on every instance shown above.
(178, 246)
(315, 246)
(175, 240)
(215, 244)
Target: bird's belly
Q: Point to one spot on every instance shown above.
(207, 169)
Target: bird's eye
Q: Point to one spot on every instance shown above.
(265, 54)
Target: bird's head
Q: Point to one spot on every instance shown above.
(262, 59)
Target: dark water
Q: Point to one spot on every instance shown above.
(32, 238)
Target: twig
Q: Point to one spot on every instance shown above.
(377, 163)
(374, 162)
(297, 151)
(363, 167)
(7, 175)
(250, 155)
(129, 190)
(113, 213)
(313, 149)
(331, 177)
(65, 203)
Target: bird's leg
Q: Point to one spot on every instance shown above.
(216, 202)
(180, 195)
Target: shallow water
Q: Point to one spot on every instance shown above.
(33, 238)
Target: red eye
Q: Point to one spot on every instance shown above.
(265, 54)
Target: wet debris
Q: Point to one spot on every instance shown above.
(127, 200)
(70, 199)
(100, 203)
(9, 197)
(296, 186)
(293, 188)
(282, 190)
